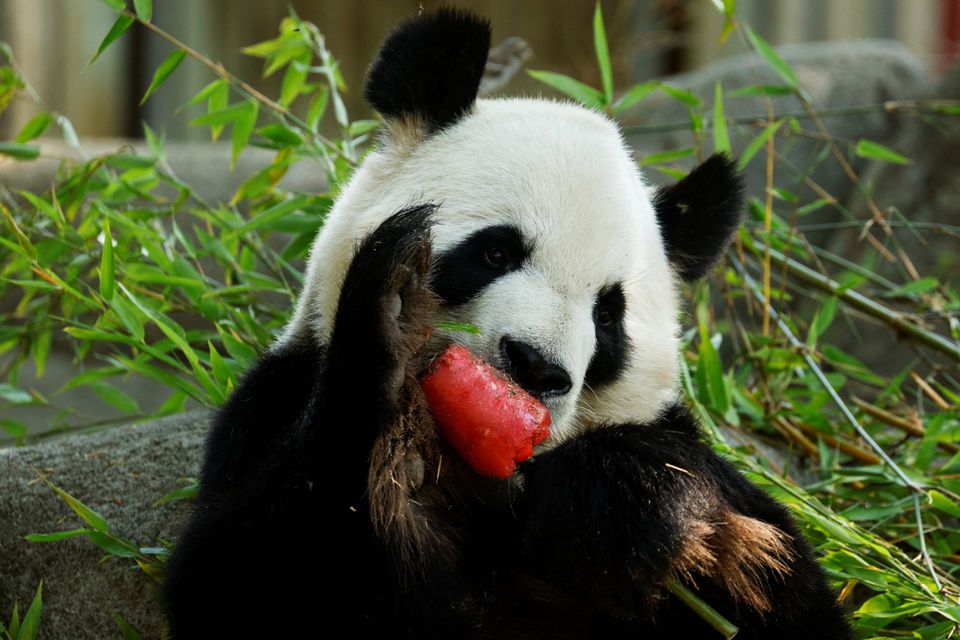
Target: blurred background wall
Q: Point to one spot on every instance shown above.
(54, 39)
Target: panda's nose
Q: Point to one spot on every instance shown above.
(532, 371)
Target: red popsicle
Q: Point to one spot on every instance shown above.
(486, 417)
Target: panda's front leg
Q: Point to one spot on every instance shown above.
(383, 319)
(613, 515)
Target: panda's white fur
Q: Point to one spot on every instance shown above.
(563, 176)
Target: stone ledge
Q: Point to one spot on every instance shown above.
(119, 473)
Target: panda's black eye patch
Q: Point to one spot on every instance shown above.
(613, 346)
(466, 269)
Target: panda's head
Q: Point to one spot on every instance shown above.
(545, 235)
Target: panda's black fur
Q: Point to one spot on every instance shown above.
(329, 507)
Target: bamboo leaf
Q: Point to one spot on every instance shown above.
(582, 93)
(129, 633)
(459, 326)
(168, 66)
(822, 320)
(15, 429)
(603, 54)
(318, 106)
(757, 143)
(666, 156)
(14, 395)
(20, 151)
(107, 264)
(116, 5)
(119, 27)
(635, 94)
(144, 9)
(34, 128)
(227, 115)
(876, 151)
(56, 536)
(128, 316)
(242, 129)
(772, 58)
(115, 398)
(721, 140)
(681, 95)
(87, 514)
(31, 621)
(40, 349)
(294, 78)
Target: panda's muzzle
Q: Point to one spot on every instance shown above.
(532, 371)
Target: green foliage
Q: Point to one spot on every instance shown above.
(126, 265)
(27, 628)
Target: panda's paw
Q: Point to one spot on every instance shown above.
(384, 316)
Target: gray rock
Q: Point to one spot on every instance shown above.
(838, 77)
(120, 473)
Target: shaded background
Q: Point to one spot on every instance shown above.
(54, 39)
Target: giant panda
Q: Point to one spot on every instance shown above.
(329, 506)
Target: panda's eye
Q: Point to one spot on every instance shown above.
(495, 257)
(465, 270)
(609, 308)
(603, 318)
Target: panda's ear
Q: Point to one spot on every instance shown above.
(429, 68)
(699, 215)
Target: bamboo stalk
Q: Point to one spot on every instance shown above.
(848, 448)
(910, 427)
(710, 615)
(899, 321)
(791, 433)
(931, 393)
